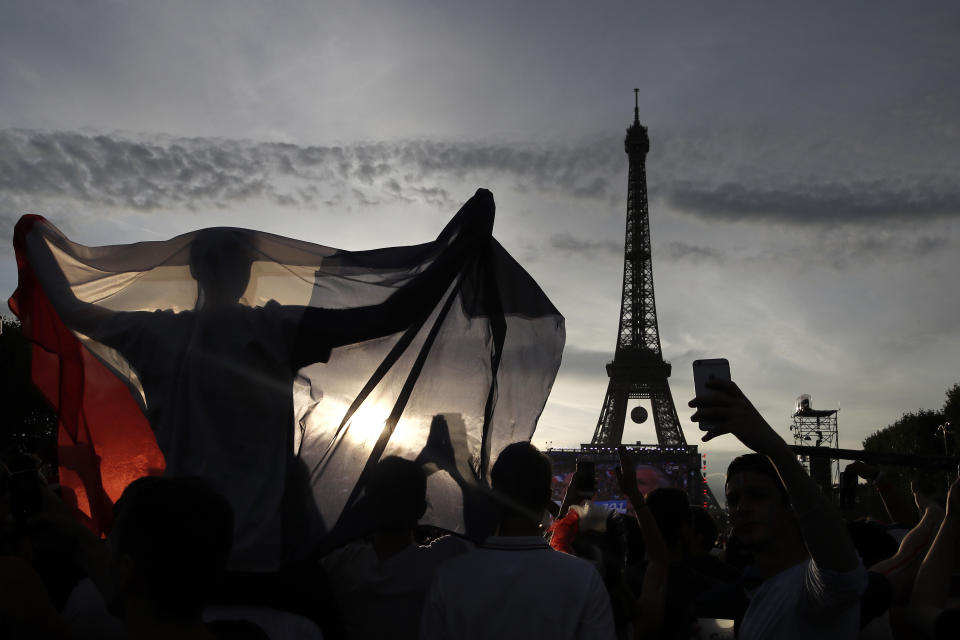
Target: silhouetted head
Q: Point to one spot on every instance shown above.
(397, 490)
(872, 541)
(703, 528)
(170, 542)
(761, 464)
(522, 475)
(671, 509)
(220, 260)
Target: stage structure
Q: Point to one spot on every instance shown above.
(817, 428)
(656, 466)
(638, 370)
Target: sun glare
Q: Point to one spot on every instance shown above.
(367, 423)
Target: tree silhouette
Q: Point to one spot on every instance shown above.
(29, 424)
(919, 433)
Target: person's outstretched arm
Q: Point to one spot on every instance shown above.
(76, 314)
(933, 578)
(627, 476)
(901, 568)
(820, 523)
(326, 328)
(650, 604)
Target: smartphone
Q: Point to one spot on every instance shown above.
(587, 467)
(703, 370)
(585, 478)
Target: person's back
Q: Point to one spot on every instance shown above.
(517, 587)
(514, 585)
(380, 584)
(384, 597)
(217, 387)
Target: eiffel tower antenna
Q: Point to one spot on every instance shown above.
(638, 370)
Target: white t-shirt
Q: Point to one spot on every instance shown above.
(806, 601)
(517, 587)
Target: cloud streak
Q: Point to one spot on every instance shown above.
(570, 244)
(681, 251)
(821, 203)
(190, 173)
(186, 173)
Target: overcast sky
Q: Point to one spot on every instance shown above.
(804, 174)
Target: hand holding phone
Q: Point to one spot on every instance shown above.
(723, 408)
(584, 481)
(703, 370)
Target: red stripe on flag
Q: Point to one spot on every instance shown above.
(104, 441)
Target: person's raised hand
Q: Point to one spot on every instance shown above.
(477, 215)
(730, 411)
(953, 499)
(923, 500)
(627, 477)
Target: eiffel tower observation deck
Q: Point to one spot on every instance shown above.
(638, 370)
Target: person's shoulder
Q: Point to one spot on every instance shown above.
(351, 551)
(351, 558)
(270, 309)
(448, 546)
(145, 322)
(482, 557)
(572, 563)
(283, 314)
(537, 552)
(449, 573)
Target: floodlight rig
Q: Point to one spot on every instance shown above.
(817, 428)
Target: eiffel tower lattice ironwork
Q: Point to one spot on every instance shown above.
(638, 370)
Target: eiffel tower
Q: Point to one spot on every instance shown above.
(638, 370)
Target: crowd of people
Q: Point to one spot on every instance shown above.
(790, 567)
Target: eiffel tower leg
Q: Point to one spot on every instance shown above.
(609, 429)
(665, 420)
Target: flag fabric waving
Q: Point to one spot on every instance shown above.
(283, 371)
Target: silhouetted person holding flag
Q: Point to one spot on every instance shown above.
(216, 380)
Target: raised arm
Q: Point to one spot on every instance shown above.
(901, 568)
(78, 315)
(324, 328)
(820, 523)
(933, 578)
(650, 604)
(627, 476)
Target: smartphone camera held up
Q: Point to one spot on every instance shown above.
(703, 370)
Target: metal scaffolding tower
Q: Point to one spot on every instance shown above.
(817, 428)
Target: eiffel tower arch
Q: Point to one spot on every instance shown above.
(638, 370)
